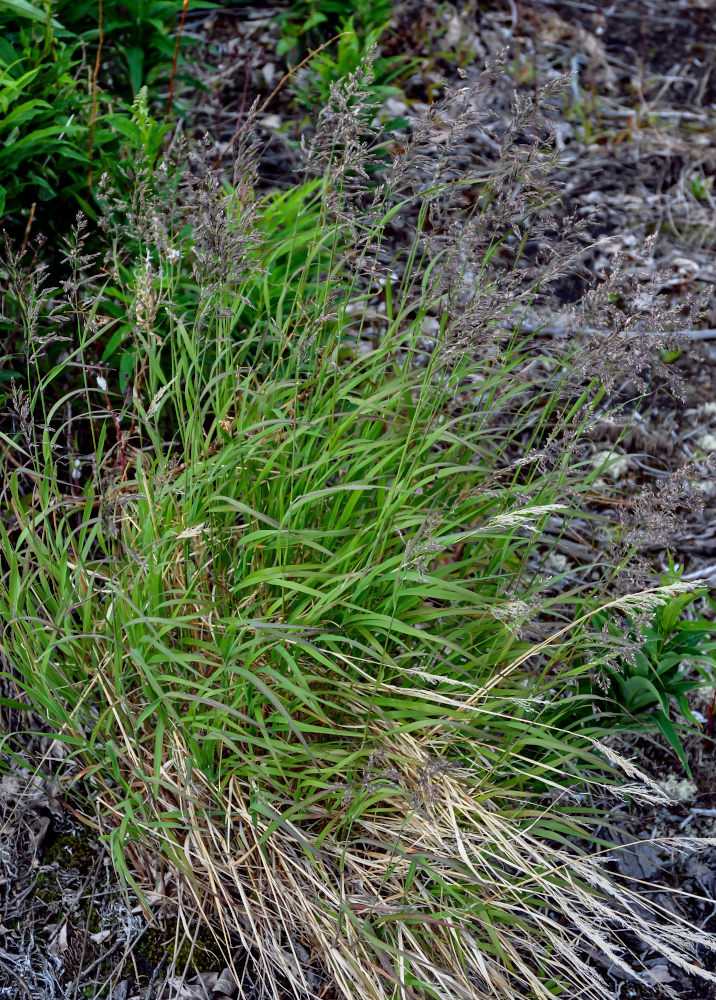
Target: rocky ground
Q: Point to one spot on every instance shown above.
(637, 130)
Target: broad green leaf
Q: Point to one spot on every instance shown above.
(23, 8)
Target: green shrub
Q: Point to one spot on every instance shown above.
(307, 25)
(63, 118)
(44, 104)
(139, 39)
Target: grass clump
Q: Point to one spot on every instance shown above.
(276, 595)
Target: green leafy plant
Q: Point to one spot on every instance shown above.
(63, 120)
(644, 670)
(43, 117)
(26, 11)
(139, 40)
(671, 656)
(308, 22)
(343, 58)
(700, 187)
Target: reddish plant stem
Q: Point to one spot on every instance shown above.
(182, 21)
(95, 79)
(118, 432)
(28, 227)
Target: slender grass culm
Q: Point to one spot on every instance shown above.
(274, 598)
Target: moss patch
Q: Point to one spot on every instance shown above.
(71, 851)
(156, 944)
